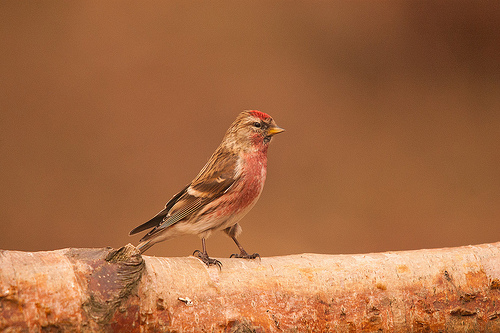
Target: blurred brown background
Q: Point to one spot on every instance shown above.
(392, 112)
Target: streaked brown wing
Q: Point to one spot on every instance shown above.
(213, 181)
(158, 218)
(217, 176)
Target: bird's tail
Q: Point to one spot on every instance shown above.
(143, 246)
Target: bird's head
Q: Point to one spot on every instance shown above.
(252, 130)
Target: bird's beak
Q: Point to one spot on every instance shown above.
(274, 130)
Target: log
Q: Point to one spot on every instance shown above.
(106, 290)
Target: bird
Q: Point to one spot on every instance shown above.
(222, 193)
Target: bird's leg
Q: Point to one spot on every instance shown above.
(203, 256)
(243, 254)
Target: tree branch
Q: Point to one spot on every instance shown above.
(452, 290)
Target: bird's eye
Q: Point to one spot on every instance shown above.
(257, 124)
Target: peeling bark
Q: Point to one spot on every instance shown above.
(88, 290)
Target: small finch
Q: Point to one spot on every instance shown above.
(225, 190)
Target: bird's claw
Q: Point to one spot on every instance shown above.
(206, 259)
(245, 255)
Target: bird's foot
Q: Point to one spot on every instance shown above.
(245, 255)
(206, 259)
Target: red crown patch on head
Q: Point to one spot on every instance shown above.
(259, 114)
